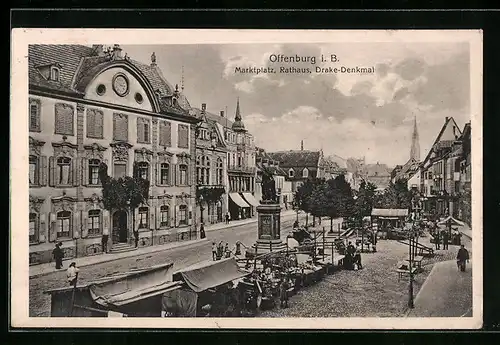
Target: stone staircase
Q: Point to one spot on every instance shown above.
(121, 248)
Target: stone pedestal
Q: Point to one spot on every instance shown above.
(269, 225)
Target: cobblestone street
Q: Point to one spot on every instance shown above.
(182, 257)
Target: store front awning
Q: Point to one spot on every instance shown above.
(238, 200)
(250, 199)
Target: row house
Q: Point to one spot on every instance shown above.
(239, 165)
(211, 167)
(282, 183)
(90, 105)
(441, 171)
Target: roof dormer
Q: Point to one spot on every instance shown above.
(51, 71)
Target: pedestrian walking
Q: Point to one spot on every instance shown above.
(58, 255)
(227, 252)
(104, 240)
(284, 293)
(136, 238)
(437, 239)
(214, 251)
(228, 217)
(445, 240)
(72, 274)
(462, 258)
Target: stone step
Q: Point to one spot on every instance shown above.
(122, 247)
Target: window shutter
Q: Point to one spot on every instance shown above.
(52, 227)
(85, 226)
(177, 217)
(158, 173)
(105, 222)
(137, 219)
(85, 171)
(158, 217)
(140, 130)
(74, 226)
(74, 172)
(42, 225)
(52, 172)
(42, 171)
(190, 214)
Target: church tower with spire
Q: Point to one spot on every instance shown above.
(415, 144)
(238, 125)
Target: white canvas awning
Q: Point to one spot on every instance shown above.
(238, 200)
(250, 199)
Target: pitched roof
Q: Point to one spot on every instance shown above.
(80, 63)
(296, 159)
(222, 120)
(440, 134)
(377, 170)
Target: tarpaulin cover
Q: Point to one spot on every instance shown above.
(180, 302)
(390, 212)
(209, 274)
(134, 286)
(452, 220)
(249, 198)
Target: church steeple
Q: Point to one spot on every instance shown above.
(302, 145)
(415, 144)
(238, 125)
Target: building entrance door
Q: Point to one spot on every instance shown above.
(120, 229)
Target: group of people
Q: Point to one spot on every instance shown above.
(441, 236)
(72, 271)
(221, 250)
(352, 259)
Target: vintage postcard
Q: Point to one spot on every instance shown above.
(246, 179)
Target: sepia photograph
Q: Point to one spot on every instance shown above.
(246, 179)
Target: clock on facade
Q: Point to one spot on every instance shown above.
(120, 84)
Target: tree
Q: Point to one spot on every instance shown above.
(124, 192)
(303, 194)
(396, 195)
(365, 199)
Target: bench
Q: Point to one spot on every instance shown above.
(404, 272)
(417, 260)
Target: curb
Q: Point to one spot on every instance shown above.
(157, 249)
(408, 311)
(466, 235)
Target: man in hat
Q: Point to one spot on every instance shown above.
(58, 255)
(462, 258)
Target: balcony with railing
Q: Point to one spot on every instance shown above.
(241, 169)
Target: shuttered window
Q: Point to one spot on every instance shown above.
(164, 216)
(165, 134)
(143, 130)
(94, 222)
(183, 219)
(120, 127)
(183, 136)
(64, 114)
(95, 123)
(34, 114)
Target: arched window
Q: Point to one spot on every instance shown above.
(291, 173)
(63, 224)
(143, 217)
(33, 228)
(33, 170)
(219, 172)
(183, 215)
(207, 170)
(164, 216)
(143, 170)
(164, 173)
(183, 175)
(200, 171)
(94, 222)
(305, 173)
(63, 171)
(94, 171)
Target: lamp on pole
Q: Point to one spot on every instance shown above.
(202, 225)
(411, 250)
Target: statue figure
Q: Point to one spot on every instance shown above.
(268, 186)
(153, 58)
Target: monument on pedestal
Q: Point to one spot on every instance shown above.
(269, 218)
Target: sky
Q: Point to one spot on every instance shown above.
(349, 115)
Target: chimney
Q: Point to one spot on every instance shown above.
(98, 49)
(446, 119)
(117, 52)
(222, 113)
(203, 108)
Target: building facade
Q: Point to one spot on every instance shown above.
(440, 171)
(211, 168)
(90, 105)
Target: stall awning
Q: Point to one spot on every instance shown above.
(209, 274)
(390, 212)
(452, 220)
(250, 199)
(133, 286)
(238, 200)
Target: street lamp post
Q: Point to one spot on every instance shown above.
(411, 254)
(202, 225)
